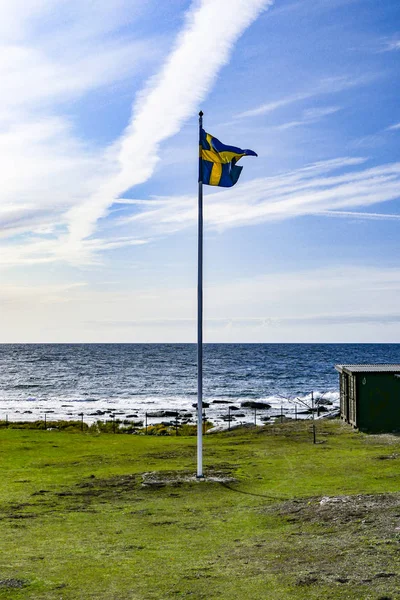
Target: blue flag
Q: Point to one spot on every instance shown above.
(218, 162)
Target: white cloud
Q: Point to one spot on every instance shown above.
(44, 251)
(53, 182)
(395, 126)
(52, 53)
(391, 45)
(365, 216)
(17, 297)
(168, 100)
(310, 115)
(333, 303)
(307, 191)
(326, 86)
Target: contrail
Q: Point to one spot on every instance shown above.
(202, 48)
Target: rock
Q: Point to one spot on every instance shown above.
(234, 407)
(163, 413)
(253, 404)
(220, 428)
(324, 401)
(12, 583)
(205, 405)
(333, 414)
(222, 402)
(216, 429)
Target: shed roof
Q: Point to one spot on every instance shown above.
(391, 368)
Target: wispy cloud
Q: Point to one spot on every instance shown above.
(311, 115)
(168, 100)
(49, 58)
(299, 305)
(391, 45)
(308, 191)
(38, 251)
(394, 127)
(365, 216)
(265, 322)
(17, 296)
(326, 86)
(53, 182)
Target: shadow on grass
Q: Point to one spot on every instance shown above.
(232, 489)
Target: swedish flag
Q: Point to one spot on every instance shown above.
(218, 162)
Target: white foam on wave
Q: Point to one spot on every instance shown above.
(104, 408)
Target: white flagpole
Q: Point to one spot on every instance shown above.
(200, 318)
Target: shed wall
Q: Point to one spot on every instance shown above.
(348, 398)
(378, 396)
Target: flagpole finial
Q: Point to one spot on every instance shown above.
(201, 113)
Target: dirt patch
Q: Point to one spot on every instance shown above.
(12, 583)
(76, 498)
(349, 541)
(159, 479)
(111, 486)
(387, 457)
(380, 511)
(307, 580)
(113, 489)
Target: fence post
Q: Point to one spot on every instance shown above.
(176, 423)
(313, 420)
(229, 418)
(281, 413)
(6, 420)
(145, 422)
(295, 412)
(82, 421)
(45, 421)
(255, 416)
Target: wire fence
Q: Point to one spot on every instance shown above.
(179, 422)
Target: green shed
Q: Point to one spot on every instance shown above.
(370, 396)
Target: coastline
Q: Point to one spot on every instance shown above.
(219, 412)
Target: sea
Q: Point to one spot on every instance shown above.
(139, 381)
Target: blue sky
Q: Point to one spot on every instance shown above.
(98, 139)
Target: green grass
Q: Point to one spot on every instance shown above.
(76, 522)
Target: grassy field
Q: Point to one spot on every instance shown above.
(289, 520)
